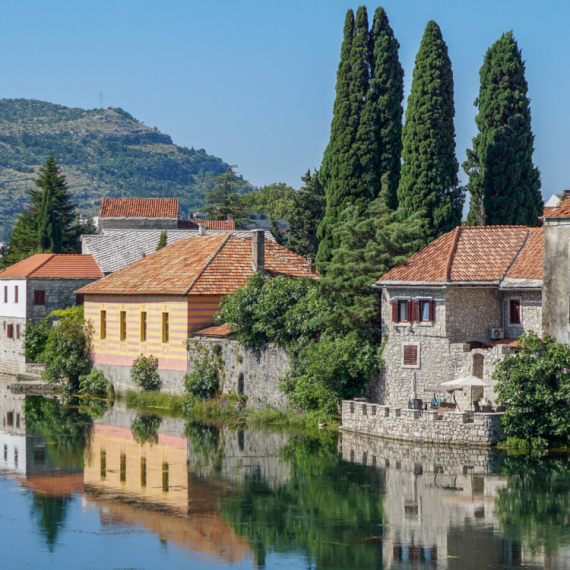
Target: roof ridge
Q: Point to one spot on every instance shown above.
(449, 263)
(51, 256)
(207, 264)
(517, 255)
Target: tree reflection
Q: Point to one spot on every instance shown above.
(328, 510)
(534, 508)
(145, 428)
(50, 514)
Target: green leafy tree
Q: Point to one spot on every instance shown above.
(429, 172)
(534, 385)
(370, 245)
(35, 339)
(275, 200)
(385, 102)
(163, 240)
(225, 198)
(307, 211)
(503, 182)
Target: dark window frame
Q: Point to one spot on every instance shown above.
(515, 311)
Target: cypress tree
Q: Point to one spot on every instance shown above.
(307, 211)
(503, 182)
(163, 240)
(49, 236)
(387, 94)
(429, 173)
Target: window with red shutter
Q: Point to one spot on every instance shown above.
(407, 354)
(410, 355)
(394, 311)
(432, 311)
(79, 299)
(10, 331)
(39, 297)
(18, 331)
(515, 312)
(16, 294)
(415, 311)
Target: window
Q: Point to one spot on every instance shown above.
(103, 463)
(410, 355)
(10, 418)
(103, 325)
(424, 311)
(165, 477)
(143, 326)
(165, 331)
(39, 297)
(10, 331)
(123, 468)
(515, 312)
(5, 293)
(16, 294)
(17, 331)
(413, 311)
(79, 299)
(401, 311)
(143, 471)
(123, 325)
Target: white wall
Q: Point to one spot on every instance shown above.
(13, 445)
(12, 309)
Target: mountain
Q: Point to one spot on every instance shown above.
(103, 152)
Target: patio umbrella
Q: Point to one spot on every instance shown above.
(468, 381)
(414, 386)
(449, 389)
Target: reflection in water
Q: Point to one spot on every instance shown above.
(202, 495)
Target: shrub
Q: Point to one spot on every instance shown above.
(35, 339)
(203, 381)
(534, 385)
(144, 374)
(326, 371)
(67, 354)
(94, 384)
(145, 428)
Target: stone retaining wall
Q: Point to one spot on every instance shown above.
(414, 425)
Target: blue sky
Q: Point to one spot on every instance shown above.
(253, 81)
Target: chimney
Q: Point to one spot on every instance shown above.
(201, 229)
(258, 250)
(311, 265)
(230, 217)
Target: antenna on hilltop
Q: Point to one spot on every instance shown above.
(101, 99)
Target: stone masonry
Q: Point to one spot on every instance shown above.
(428, 427)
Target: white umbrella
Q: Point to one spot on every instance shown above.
(414, 386)
(468, 381)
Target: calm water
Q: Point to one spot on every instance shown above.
(82, 486)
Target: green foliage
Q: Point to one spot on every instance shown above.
(306, 212)
(104, 152)
(204, 380)
(370, 245)
(328, 370)
(534, 385)
(386, 96)
(225, 199)
(275, 200)
(280, 237)
(163, 240)
(35, 339)
(144, 372)
(169, 404)
(503, 182)
(67, 353)
(94, 384)
(145, 428)
(429, 180)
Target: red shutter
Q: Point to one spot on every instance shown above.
(5, 294)
(39, 297)
(515, 312)
(394, 311)
(16, 294)
(10, 332)
(79, 300)
(415, 311)
(432, 311)
(17, 331)
(407, 354)
(410, 311)
(413, 355)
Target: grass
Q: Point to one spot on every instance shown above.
(227, 410)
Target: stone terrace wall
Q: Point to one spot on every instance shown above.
(414, 425)
(12, 359)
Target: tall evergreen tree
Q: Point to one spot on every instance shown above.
(162, 241)
(387, 94)
(503, 182)
(49, 234)
(429, 173)
(306, 213)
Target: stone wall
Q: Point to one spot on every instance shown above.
(137, 224)
(429, 427)
(531, 313)
(260, 369)
(59, 295)
(12, 359)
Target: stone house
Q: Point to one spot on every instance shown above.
(141, 213)
(457, 306)
(153, 305)
(30, 290)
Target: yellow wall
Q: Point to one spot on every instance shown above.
(185, 314)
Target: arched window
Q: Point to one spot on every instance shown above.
(240, 385)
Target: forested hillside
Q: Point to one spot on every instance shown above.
(103, 152)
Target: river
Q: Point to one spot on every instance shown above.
(88, 486)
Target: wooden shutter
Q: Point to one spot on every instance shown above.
(432, 311)
(79, 299)
(413, 355)
(394, 311)
(10, 331)
(407, 355)
(415, 317)
(410, 315)
(16, 294)
(5, 294)
(18, 331)
(39, 297)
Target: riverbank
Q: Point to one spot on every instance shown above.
(227, 410)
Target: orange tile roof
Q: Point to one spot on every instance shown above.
(54, 266)
(466, 254)
(219, 331)
(139, 208)
(209, 224)
(203, 265)
(560, 211)
(528, 264)
(547, 211)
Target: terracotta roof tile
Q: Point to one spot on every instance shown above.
(203, 265)
(468, 253)
(219, 331)
(561, 211)
(55, 266)
(548, 210)
(139, 208)
(209, 224)
(528, 264)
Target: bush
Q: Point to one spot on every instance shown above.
(35, 339)
(94, 384)
(534, 385)
(326, 371)
(144, 374)
(67, 354)
(204, 381)
(145, 428)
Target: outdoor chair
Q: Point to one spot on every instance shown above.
(435, 403)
